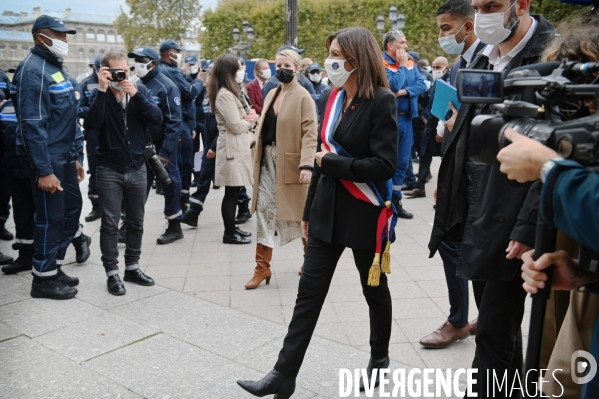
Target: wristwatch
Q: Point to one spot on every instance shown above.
(547, 166)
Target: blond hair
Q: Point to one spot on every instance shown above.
(292, 55)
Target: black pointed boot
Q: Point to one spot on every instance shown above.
(274, 383)
(401, 212)
(190, 218)
(22, 264)
(375, 364)
(173, 233)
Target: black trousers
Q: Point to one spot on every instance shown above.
(498, 335)
(319, 267)
(92, 141)
(424, 169)
(456, 286)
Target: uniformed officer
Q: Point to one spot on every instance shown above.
(193, 72)
(314, 73)
(170, 62)
(4, 194)
(4, 259)
(91, 138)
(46, 109)
(166, 136)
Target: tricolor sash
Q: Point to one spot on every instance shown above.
(363, 191)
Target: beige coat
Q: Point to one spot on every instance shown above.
(233, 156)
(296, 145)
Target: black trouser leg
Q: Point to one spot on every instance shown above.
(319, 267)
(424, 168)
(498, 335)
(457, 286)
(228, 207)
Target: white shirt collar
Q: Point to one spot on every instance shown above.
(469, 54)
(260, 83)
(500, 63)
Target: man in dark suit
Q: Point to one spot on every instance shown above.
(480, 207)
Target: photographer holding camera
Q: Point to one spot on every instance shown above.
(119, 111)
(479, 206)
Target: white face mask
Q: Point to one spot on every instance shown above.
(266, 73)
(142, 69)
(450, 45)
(114, 86)
(336, 71)
(315, 77)
(193, 69)
(438, 74)
(58, 47)
(490, 28)
(177, 59)
(240, 76)
(428, 69)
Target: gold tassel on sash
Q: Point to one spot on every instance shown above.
(374, 275)
(386, 263)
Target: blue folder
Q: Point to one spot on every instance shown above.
(444, 94)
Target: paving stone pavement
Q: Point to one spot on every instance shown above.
(198, 330)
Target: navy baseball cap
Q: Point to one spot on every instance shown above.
(191, 59)
(97, 62)
(52, 23)
(290, 47)
(314, 67)
(145, 51)
(168, 45)
(414, 55)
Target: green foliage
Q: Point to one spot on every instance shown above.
(319, 18)
(150, 22)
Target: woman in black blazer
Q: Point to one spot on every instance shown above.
(363, 123)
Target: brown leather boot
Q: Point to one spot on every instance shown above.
(305, 242)
(444, 336)
(262, 271)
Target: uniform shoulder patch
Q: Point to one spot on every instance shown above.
(177, 100)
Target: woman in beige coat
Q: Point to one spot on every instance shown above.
(283, 161)
(233, 157)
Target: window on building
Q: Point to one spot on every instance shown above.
(1, 52)
(90, 35)
(81, 54)
(92, 54)
(13, 53)
(101, 36)
(111, 37)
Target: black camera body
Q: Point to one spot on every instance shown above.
(157, 166)
(118, 75)
(557, 120)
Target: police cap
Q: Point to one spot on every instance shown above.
(145, 51)
(191, 59)
(52, 23)
(168, 45)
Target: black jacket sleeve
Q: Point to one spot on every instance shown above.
(146, 106)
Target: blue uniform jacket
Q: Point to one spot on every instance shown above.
(8, 136)
(409, 79)
(46, 109)
(88, 85)
(166, 95)
(189, 91)
(77, 147)
(4, 86)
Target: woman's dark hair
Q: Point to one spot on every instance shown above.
(361, 47)
(223, 75)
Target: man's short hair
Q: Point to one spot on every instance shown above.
(112, 56)
(391, 36)
(457, 8)
(260, 61)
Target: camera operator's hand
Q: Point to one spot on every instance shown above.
(515, 249)
(49, 183)
(203, 75)
(566, 275)
(451, 121)
(104, 79)
(211, 154)
(80, 172)
(128, 87)
(524, 158)
(163, 160)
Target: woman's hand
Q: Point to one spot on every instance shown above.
(252, 116)
(305, 176)
(304, 226)
(319, 155)
(211, 154)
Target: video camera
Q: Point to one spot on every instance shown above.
(557, 120)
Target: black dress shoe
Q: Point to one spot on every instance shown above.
(95, 214)
(401, 213)
(235, 239)
(66, 280)
(51, 288)
(243, 217)
(81, 245)
(374, 364)
(22, 264)
(407, 187)
(274, 383)
(5, 260)
(190, 218)
(416, 193)
(5, 234)
(242, 233)
(115, 285)
(136, 276)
